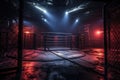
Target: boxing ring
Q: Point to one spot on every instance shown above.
(57, 40)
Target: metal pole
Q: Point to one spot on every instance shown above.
(71, 42)
(24, 41)
(45, 40)
(34, 41)
(0, 43)
(6, 42)
(105, 46)
(20, 41)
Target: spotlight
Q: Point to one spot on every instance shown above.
(66, 13)
(46, 13)
(65, 18)
(75, 23)
(45, 20)
(77, 20)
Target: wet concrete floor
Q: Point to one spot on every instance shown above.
(60, 69)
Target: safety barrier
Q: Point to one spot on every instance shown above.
(113, 40)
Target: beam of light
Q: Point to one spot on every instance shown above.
(80, 7)
(41, 9)
(65, 19)
(51, 25)
(75, 9)
(46, 13)
(66, 15)
(75, 23)
(51, 20)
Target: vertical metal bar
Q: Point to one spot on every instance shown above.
(41, 41)
(20, 41)
(77, 41)
(34, 41)
(45, 40)
(105, 45)
(24, 40)
(71, 42)
(6, 43)
(66, 41)
(0, 43)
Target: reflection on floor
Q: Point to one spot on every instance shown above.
(57, 65)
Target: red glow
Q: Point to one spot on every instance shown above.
(98, 32)
(100, 54)
(27, 32)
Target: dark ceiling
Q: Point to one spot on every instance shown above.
(9, 8)
(58, 7)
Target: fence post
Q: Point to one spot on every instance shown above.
(105, 45)
(20, 41)
(6, 48)
(45, 39)
(34, 41)
(71, 42)
(0, 43)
